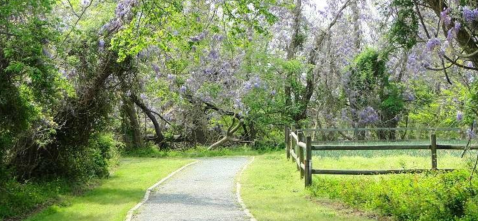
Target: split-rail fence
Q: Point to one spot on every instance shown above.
(299, 149)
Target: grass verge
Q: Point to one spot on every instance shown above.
(272, 190)
(112, 199)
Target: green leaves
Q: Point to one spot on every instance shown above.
(404, 28)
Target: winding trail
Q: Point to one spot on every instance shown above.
(202, 191)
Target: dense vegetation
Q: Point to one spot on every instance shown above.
(84, 81)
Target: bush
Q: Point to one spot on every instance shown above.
(102, 151)
(93, 161)
(432, 196)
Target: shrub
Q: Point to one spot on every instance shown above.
(103, 150)
(93, 161)
(18, 199)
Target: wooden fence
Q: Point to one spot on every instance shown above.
(299, 150)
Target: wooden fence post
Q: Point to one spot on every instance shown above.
(287, 142)
(301, 155)
(308, 162)
(433, 146)
(293, 143)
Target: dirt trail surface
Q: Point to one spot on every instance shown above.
(202, 191)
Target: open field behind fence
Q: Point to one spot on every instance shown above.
(300, 148)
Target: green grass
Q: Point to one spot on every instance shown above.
(114, 197)
(428, 196)
(196, 152)
(272, 190)
(388, 159)
(16, 198)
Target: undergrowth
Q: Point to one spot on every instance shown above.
(430, 196)
(19, 198)
(199, 151)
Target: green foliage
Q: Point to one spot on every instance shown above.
(18, 199)
(94, 160)
(28, 80)
(168, 26)
(295, 69)
(433, 108)
(30, 85)
(194, 152)
(471, 104)
(368, 76)
(433, 196)
(368, 72)
(393, 102)
(404, 28)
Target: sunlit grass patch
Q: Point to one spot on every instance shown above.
(388, 159)
(272, 190)
(115, 196)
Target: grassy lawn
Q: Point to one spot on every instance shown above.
(272, 190)
(388, 159)
(116, 195)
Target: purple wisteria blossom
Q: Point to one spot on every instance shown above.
(469, 64)
(433, 43)
(457, 26)
(459, 116)
(155, 68)
(445, 16)
(199, 37)
(238, 104)
(408, 96)
(470, 15)
(171, 77)
(101, 44)
(368, 115)
(254, 82)
(183, 89)
(450, 34)
(471, 133)
(213, 54)
(85, 3)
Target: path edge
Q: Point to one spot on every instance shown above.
(238, 192)
(129, 216)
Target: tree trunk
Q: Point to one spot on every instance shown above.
(133, 131)
(159, 139)
(303, 97)
(356, 20)
(232, 129)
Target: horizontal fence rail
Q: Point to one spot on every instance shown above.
(372, 172)
(299, 149)
(390, 147)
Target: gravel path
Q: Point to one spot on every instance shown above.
(203, 191)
